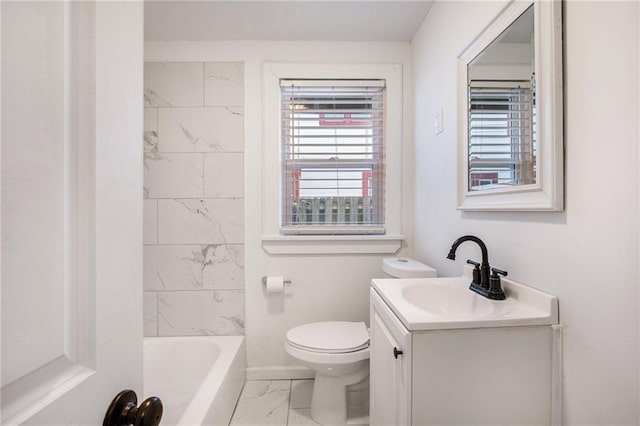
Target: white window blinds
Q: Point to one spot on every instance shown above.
(502, 149)
(333, 170)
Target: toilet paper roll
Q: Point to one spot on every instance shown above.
(275, 284)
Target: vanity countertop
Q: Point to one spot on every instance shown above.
(447, 303)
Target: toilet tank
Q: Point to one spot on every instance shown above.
(403, 267)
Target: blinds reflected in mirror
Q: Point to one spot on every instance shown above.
(502, 142)
(332, 156)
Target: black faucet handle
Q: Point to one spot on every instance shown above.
(497, 271)
(495, 287)
(476, 272)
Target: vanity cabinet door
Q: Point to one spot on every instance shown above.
(390, 359)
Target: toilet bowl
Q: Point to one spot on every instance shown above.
(338, 352)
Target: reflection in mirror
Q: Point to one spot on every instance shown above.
(510, 145)
(502, 145)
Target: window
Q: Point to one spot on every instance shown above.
(502, 148)
(332, 156)
(374, 188)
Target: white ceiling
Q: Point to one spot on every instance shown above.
(306, 20)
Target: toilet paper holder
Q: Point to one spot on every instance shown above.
(264, 281)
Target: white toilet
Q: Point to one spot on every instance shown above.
(338, 351)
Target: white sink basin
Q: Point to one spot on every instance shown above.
(446, 303)
(447, 300)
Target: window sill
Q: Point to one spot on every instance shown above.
(332, 244)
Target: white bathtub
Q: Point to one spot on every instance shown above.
(198, 379)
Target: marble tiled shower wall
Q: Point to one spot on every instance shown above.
(193, 198)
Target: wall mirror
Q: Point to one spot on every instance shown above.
(510, 153)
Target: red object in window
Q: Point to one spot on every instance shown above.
(477, 178)
(366, 179)
(340, 119)
(295, 179)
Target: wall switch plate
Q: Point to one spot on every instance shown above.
(439, 127)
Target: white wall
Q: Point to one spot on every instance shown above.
(324, 287)
(586, 255)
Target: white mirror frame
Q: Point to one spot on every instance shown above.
(547, 193)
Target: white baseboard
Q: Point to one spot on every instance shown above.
(279, 372)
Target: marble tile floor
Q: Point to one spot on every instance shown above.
(287, 403)
(274, 402)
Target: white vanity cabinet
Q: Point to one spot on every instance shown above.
(459, 376)
(390, 376)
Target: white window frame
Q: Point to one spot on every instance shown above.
(273, 240)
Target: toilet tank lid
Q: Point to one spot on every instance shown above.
(403, 267)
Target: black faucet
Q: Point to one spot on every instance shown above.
(489, 284)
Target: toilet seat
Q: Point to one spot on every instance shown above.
(324, 358)
(330, 337)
